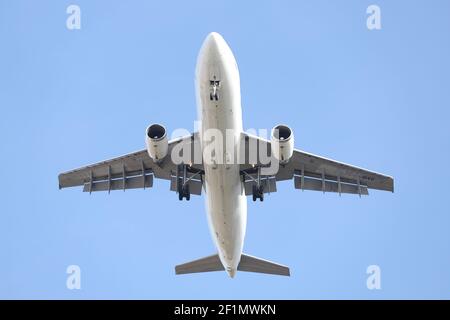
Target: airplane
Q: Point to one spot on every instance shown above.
(192, 166)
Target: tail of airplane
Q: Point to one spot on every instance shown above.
(248, 263)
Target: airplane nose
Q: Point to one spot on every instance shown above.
(213, 43)
(214, 36)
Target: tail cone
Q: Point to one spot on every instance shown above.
(231, 272)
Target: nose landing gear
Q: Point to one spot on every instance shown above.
(214, 90)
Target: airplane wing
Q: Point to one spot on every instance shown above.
(312, 172)
(134, 170)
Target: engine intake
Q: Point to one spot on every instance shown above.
(282, 143)
(157, 143)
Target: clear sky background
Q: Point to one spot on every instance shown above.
(376, 99)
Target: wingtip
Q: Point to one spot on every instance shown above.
(59, 181)
(392, 184)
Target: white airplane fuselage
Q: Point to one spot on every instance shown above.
(219, 109)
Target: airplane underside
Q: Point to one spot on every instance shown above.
(225, 180)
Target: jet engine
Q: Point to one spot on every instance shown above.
(157, 143)
(282, 143)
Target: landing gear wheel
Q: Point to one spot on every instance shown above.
(183, 192)
(186, 192)
(180, 191)
(258, 193)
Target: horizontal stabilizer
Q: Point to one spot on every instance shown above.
(211, 263)
(253, 264)
(247, 263)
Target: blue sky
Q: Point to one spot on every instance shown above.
(376, 99)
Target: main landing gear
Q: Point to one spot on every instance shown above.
(183, 192)
(258, 192)
(184, 175)
(257, 186)
(182, 183)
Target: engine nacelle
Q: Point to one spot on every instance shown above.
(282, 143)
(157, 143)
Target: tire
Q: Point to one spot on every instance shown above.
(186, 192)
